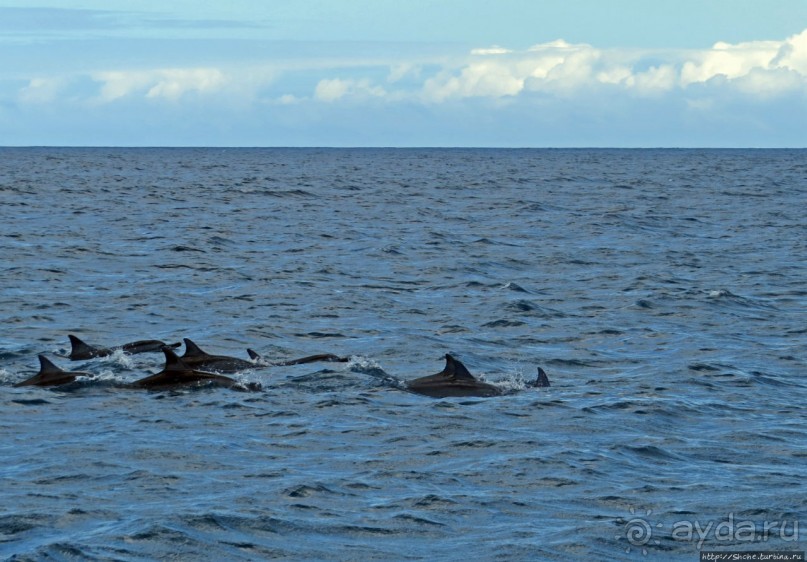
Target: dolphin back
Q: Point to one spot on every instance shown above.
(82, 350)
(146, 346)
(49, 375)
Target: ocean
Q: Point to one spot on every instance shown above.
(663, 291)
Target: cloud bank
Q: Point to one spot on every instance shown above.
(756, 88)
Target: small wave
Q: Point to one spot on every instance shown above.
(286, 193)
(514, 287)
(9, 355)
(610, 332)
(652, 451)
(511, 382)
(764, 378)
(526, 306)
(185, 266)
(31, 401)
(370, 367)
(359, 363)
(220, 241)
(522, 306)
(321, 335)
(432, 501)
(452, 329)
(503, 323)
(181, 248)
(721, 293)
(306, 491)
(617, 405)
(118, 357)
(703, 367)
(726, 296)
(572, 363)
(16, 524)
(489, 242)
(418, 520)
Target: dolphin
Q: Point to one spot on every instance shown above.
(326, 357)
(51, 375)
(81, 350)
(196, 358)
(177, 373)
(455, 380)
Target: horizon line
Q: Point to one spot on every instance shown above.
(401, 147)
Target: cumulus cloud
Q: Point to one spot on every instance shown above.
(41, 90)
(329, 90)
(498, 93)
(172, 84)
(759, 67)
(653, 81)
(730, 61)
(793, 54)
(557, 69)
(169, 84)
(565, 70)
(494, 50)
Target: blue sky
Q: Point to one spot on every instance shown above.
(403, 73)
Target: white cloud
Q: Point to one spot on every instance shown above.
(329, 90)
(494, 50)
(770, 83)
(731, 61)
(399, 71)
(763, 68)
(287, 99)
(551, 89)
(758, 68)
(170, 84)
(558, 69)
(478, 79)
(173, 84)
(118, 84)
(793, 54)
(41, 90)
(653, 81)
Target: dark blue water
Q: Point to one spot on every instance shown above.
(662, 290)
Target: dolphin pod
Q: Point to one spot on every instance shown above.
(177, 373)
(197, 367)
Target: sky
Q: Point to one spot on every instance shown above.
(504, 73)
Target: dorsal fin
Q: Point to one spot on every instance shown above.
(46, 367)
(79, 347)
(173, 362)
(253, 354)
(192, 350)
(456, 370)
(542, 381)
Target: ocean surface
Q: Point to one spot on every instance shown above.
(663, 291)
